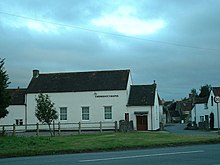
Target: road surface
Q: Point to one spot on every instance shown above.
(178, 128)
(196, 155)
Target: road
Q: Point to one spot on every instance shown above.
(196, 155)
(178, 128)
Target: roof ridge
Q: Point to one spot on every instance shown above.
(144, 85)
(16, 88)
(71, 72)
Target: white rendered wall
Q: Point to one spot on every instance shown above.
(156, 112)
(74, 101)
(199, 110)
(213, 109)
(132, 116)
(15, 112)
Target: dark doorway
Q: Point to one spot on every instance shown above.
(126, 116)
(142, 123)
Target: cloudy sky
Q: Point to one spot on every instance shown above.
(175, 42)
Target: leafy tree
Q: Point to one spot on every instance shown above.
(205, 90)
(45, 110)
(4, 95)
(194, 93)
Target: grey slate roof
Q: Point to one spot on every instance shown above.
(17, 96)
(142, 95)
(79, 81)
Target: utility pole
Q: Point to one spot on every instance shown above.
(217, 101)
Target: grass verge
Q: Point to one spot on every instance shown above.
(30, 146)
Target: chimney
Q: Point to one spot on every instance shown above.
(35, 73)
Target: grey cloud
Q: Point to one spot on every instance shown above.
(176, 69)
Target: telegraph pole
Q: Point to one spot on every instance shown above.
(217, 101)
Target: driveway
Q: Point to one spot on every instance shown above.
(180, 129)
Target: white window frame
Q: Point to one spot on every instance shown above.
(85, 113)
(108, 115)
(63, 115)
(202, 118)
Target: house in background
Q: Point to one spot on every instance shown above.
(166, 110)
(203, 107)
(184, 108)
(16, 109)
(144, 108)
(172, 114)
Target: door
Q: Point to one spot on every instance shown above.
(142, 123)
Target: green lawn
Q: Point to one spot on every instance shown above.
(26, 146)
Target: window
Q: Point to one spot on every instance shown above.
(207, 118)
(63, 113)
(212, 100)
(201, 118)
(205, 106)
(126, 116)
(19, 121)
(85, 113)
(108, 113)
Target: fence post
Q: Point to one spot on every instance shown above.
(59, 131)
(116, 126)
(53, 128)
(13, 134)
(79, 128)
(100, 127)
(37, 129)
(3, 130)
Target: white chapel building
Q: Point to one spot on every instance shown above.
(94, 96)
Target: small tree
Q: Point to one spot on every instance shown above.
(4, 95)
(45, 110)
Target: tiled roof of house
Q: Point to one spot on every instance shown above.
(216, 91)
(17, 96)
(174, 113)
(185, 105)
(142, 95)
(201, 100)
(79, 81)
